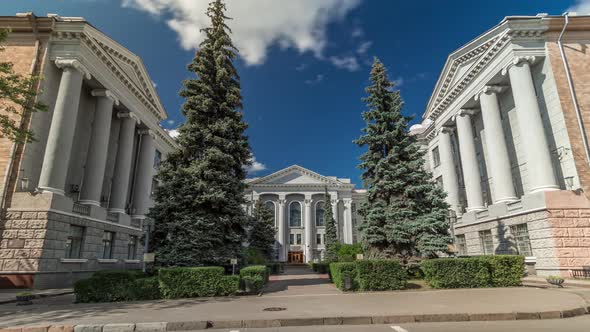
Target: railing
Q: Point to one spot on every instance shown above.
(113, 217)
(81, 209)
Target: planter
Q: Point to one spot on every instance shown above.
(556, 282)
(24, 299)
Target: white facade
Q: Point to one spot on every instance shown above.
(296, 195)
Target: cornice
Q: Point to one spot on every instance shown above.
(302, 170)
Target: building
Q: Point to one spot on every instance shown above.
(74, 200)
(506, 138)
(296, 196)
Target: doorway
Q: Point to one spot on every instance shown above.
(296, 257)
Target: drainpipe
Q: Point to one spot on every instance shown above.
(572, 90)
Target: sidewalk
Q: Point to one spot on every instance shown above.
(439, 305)
(9, 295)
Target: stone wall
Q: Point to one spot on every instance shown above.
(571, 232)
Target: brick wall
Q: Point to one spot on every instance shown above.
(571, 231)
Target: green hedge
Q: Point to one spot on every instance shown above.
(348, 252)
(379, 275)
(339, 271)
(182, 282)
(255, 270)
(474, 272)
(117, 286)
(370, 275)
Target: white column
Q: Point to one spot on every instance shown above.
(63, 125)
(281, 229)
(498, 162)
(334, 204)
(538, 157)
(308, 230)
(144, 176)
(99, 146)
(122, 174)
(347, 221)
(449, 173)
(471, 175)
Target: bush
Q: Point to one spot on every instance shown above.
(182, 282)
(252, 283)
(339, 271)
(414, 270)
(348, 252)
(474, 272)
(255, 270)
(275, 268)
(380, 275)
(116, 286)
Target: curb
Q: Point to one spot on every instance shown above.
(39, 296)
(282, 322)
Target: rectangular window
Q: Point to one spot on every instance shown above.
(157, 159)
(319, 239)
(436, 157)
(132, 247)
(291, 239)
(439, 182)
(107, 244)
(298, 238)
(487, 242)
(521, 239)
(74, 242)
(461, 245)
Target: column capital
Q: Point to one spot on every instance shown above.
(444, 130)
(307, 202)
(464, 112)
(530, 59)
(490, 89)
(282, 201)
(105, 93)
(131, 115)
(64, 63)
(347, 202)
(148, 132)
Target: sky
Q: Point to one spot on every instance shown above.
(304, 64)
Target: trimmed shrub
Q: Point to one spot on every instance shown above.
(505, 270)
(348, 252)
(339, 271)
(117, 286)
(380, 275)
(182, 282)
(414, 270)
(474, 272)
(252, 283)
(146, 289)
(255, 270)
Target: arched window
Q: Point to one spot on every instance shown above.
(319, 214)
(295, 214)
(270, 205)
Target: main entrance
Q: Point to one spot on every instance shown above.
(296, 257)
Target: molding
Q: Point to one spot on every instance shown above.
(263, 180)
(73, 260)
(530, 59)
(64, 63)
(444, 130)
(464, 112)
(147, 132)
(131, 115)
(491, 89)
(132, 261)
(105, 93)
(107, 260)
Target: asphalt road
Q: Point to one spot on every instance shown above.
(577, 324)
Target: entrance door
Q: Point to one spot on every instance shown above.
(296, 257)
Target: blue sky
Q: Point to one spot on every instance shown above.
(304, 63)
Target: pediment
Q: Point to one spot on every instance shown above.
(295, 175)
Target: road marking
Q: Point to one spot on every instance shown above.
(398, 329)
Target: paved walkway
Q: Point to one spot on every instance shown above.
(299, 280)
(9, 295)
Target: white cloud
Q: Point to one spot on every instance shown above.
(173, 132)
(582, 7)
(317, 80)
(301, 67)
(170, 122)
(398, 81)
(349, 63)
(256, 24)
(255, 166)
(364, 47)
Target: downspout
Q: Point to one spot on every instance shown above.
(572, 90)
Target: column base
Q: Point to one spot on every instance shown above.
(51, 190)
(89, 202)
(121, 211)
(506, 200)
(544, 188)
(475, 208)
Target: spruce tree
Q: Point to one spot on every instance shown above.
(262, 232)
(198, 212)
(405, 211)
(331, 237)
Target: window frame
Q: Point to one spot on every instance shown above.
(157, 159)
(298, 239)
(291, 239)
(323, 209)
(132, 243)
(521, 239)
(436, 157)
(300, 214)
(319, 239)
(484, 243)
(461, 245)
(108, 244)
(274, 211)
(70, 241)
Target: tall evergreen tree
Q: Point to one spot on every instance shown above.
(262, 233)
(405, 211)
(331, 237)
(198, 211)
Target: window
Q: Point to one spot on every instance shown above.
(487, 242)
(74, 242)
(155, 185)
(132, 247)
(271, 207)
(157, 159)
(319, 239)
(461, 245)
(298, 238)
(295, 214)
(439, 182)
(319, 214)
(521, 237)
(291, 239)
(436, 157)
(107, 245)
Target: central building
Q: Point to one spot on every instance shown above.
(296, 197)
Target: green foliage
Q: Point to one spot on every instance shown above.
(348, 252)
(331, 235)
(255, 270)
(339, 271)
(254, 256)
(275, 267)
(198, 205)
(414, 270)
(252, 283)
(262, 233)
(380, 275)
(183, 282)
(405, 211)
(474, 272)
(117, 286)
(17, 100)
